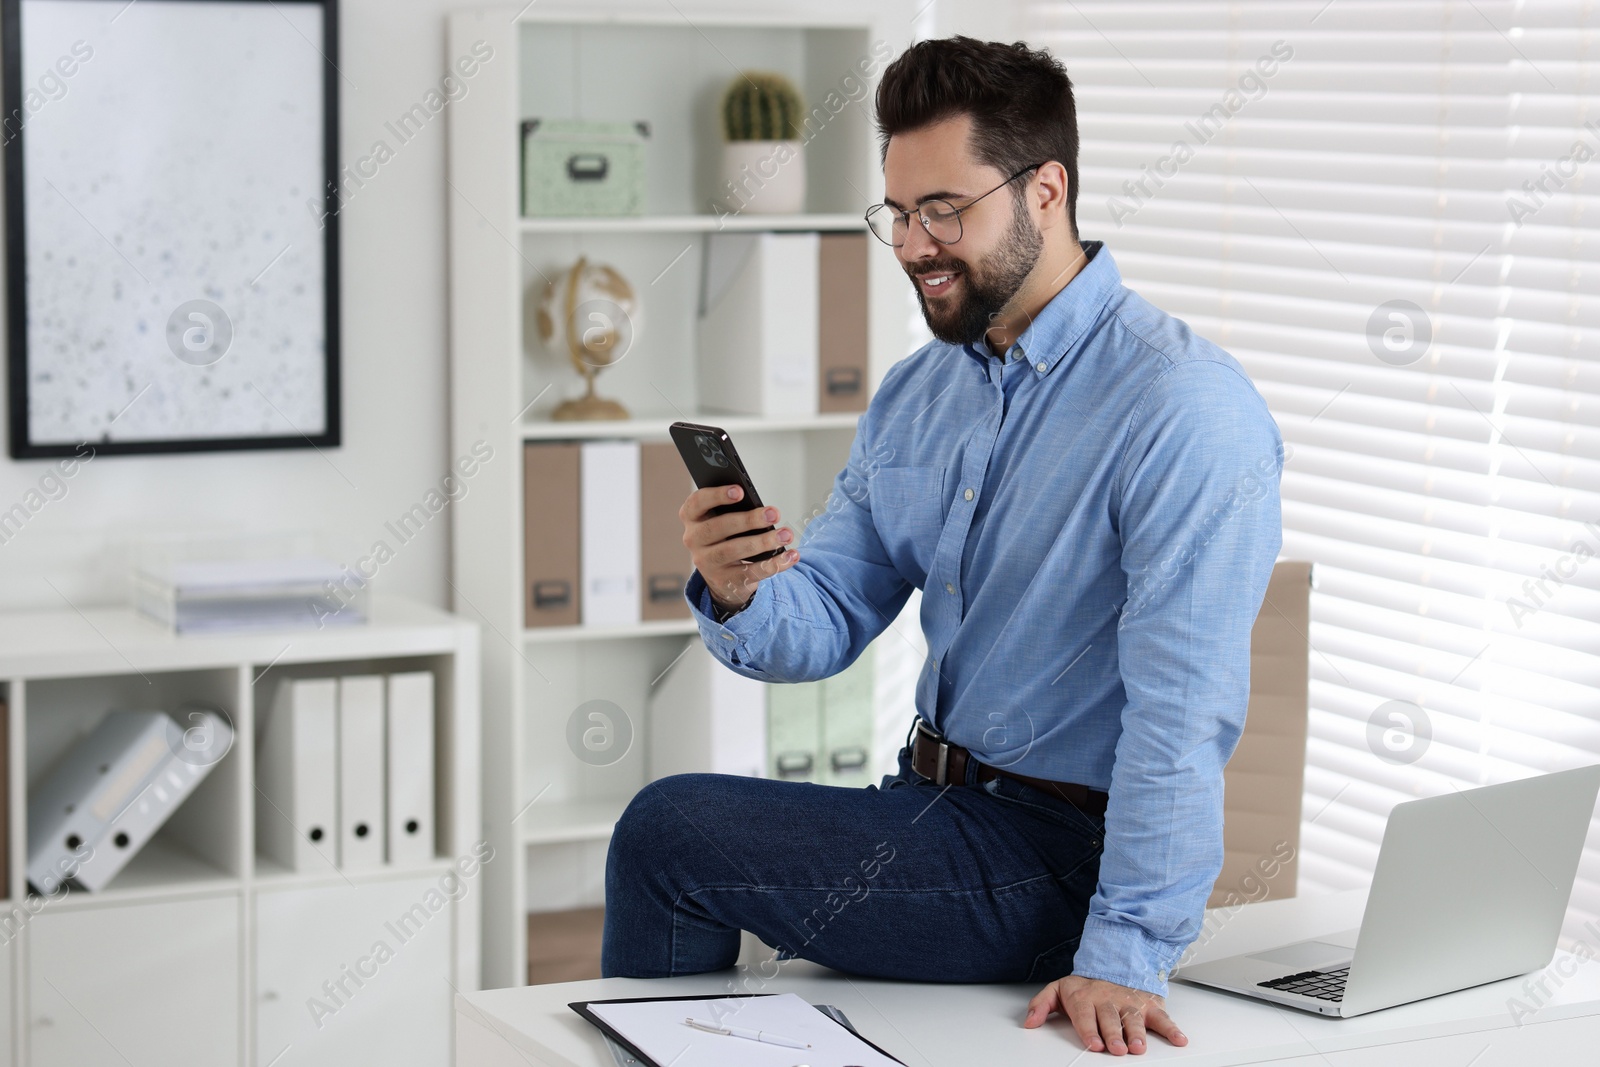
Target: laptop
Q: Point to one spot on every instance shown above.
(1470, 887)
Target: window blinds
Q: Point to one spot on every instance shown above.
(1389, 213)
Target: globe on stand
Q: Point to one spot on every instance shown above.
(589, 312)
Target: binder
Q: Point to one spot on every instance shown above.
(297, 775)
(794, 730)
(551, 596)
(664, 564)
(109, 795)
(410, 746)
(608, 556)
(847, 722)
(842, 322)
(758, 327)
(822, 731)
(361, 822)
(703, 717)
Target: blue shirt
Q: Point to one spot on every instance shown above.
(1093, 522)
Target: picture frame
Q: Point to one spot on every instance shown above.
(172, 198)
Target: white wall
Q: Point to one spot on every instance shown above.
(987, 20)
(394, 364)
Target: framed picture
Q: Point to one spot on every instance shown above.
(172, 193)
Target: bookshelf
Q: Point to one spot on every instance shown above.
(200, 950)
(563, 62)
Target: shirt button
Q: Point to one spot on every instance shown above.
(727, 637)
(934, 664)
(968, 494)
(948, 588)
(1039, 366)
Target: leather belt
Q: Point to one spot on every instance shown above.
(946, 764)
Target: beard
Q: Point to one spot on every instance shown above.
(986, 288)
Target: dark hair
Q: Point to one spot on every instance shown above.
(1019, 99)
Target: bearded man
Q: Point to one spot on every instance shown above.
(1086, 492)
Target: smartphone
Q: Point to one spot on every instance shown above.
(712, 460)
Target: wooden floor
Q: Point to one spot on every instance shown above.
(564, 946)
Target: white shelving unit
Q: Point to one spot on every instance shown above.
(200, 951)
(667, 68)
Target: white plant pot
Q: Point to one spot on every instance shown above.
(763, 177)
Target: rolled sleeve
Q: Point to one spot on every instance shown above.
(732, 640)
(1200, 524)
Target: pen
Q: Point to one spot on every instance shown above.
(753, 1035)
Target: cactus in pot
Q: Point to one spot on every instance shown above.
(761, 107)
(763, 157)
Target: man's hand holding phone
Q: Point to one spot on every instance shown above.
(719, 544)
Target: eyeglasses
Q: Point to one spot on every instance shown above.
(940, 218)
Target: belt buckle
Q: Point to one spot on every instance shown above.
(943, 766)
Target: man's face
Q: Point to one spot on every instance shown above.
(965, 286)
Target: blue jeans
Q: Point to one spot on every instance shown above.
(903, 880)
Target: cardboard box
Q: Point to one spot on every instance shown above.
(564, 946)
(664, 564)
(842, 322)
(1265, 779)
(550, 533)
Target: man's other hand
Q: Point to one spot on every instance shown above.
(1108, 1017)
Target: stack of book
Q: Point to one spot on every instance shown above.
(249, 594)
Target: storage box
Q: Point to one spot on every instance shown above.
(573, 167)
(842, 322)
(821, 731)
(758, 325)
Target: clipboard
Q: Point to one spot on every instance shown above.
(616, 1039)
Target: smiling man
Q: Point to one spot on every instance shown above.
(1086, 492)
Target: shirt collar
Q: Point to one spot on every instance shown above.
(1061, 322)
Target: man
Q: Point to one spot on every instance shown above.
(1087, 494)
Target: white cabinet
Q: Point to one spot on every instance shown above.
(166, 964)
(355, 974)
(140, 983)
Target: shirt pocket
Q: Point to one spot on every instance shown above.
(908, 511)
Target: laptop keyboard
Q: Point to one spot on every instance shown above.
(1324, 985)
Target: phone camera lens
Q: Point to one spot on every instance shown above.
(710, 451)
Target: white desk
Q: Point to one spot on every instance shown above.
(927, 1024)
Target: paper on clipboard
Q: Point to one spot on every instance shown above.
(624, 1058)
(656, 1028)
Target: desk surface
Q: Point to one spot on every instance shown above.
(926, 1024)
